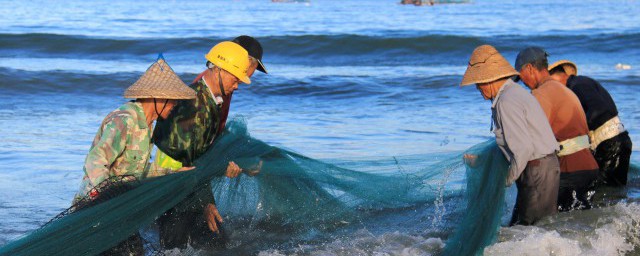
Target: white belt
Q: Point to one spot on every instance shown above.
(608, 130)
(570, 146)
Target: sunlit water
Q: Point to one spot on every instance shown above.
(348, 80)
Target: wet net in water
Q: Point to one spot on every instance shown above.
(291, 191)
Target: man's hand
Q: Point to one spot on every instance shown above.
(233, 170)
(470, 159)
(254, 171)
(184, 169)
(212, 215)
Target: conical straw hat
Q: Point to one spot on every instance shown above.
(159, 82)
(569, 67)
(486, 65)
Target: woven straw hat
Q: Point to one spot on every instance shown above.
(486, 65)
(569, 67)
(160, 82)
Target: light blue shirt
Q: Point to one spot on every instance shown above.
(522, 130)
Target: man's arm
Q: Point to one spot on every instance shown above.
(111, 144)
(517, 138)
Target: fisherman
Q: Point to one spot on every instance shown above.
(522, 133)
(579, 170)
(610, 142)
(122, 146)
(190, 130)
(254, 49)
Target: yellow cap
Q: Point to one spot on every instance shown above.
(232, 58)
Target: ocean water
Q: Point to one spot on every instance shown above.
(348, 81)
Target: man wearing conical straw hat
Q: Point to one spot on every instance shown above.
(189, 132)
(123, 143)
(610, 142)
(522, 133)
(122, 146)
(578, 167)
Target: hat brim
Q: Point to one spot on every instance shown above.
(261, 67)
(159, 82)
(478, 76)
(562, 63)
(517, 78)
(246, 80)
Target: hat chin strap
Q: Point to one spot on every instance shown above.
(155, 107)
(220, 83)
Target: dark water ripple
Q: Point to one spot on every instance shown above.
(341, 49)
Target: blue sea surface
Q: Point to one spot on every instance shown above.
(347, 80)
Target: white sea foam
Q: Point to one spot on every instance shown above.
(608, 231)
(365, 243)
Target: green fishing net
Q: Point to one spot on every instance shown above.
(294, 193)
(485, 201)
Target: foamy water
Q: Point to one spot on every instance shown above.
(611, 230)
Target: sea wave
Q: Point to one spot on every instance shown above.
(112, 78)
(340, 49)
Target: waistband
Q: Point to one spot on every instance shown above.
(536, 162)
(570, 146)
(606, 131)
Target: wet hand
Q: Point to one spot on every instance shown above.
(212, 216)
(470, 159)
(254, 171)
(233, 170)
(128, 178)
(184, 169)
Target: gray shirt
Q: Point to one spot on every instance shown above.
(522, 130)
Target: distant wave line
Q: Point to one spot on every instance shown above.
(309, 46)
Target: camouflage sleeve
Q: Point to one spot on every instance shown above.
(174, 135)
(199, 131)
(155, 170)
(110, 144)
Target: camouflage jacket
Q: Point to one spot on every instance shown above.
(224, 107)
(190, 128)
(122, 146)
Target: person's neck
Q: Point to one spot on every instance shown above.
(211, 81)
(495, 87)
(149, 110)
(561, 78)
(541, 77)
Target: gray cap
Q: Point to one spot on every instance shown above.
(530, 55)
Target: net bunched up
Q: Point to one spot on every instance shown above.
(292, 192)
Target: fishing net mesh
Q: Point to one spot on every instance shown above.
(291, 191)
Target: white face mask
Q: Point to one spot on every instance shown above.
(219, 100)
